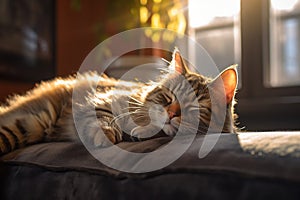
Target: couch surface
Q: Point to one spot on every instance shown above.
(263, 165)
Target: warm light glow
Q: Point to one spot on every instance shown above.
(182, 24)
(143, 2)
(172, 12)
(169, 36)
(155, 21)
(143, 14)
(172, 17)
(155, 37)
(284, 4)
(202, 12)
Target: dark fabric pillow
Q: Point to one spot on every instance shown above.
(232, 170)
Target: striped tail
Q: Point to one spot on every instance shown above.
(35, 116)
(21, 129)
(12, 137)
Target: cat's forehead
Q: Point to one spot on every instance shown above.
(196, 81)
(193, 77)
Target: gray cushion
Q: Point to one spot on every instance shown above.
(244, 166)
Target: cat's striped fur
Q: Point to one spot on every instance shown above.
(45, 113)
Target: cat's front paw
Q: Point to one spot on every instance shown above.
(144, 132)
(172, 128)
(175, 122)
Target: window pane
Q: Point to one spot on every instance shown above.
(217, 30)
(203, 12)
(284, 44)
(220, 44)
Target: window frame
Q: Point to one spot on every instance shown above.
(264, 108)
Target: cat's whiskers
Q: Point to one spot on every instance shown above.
(194, 108)
(131, 107)
(142, 116)
(168, 62)
(136, 101)
(164, 70)
(120, 116)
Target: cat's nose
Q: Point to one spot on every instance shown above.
(171, 114)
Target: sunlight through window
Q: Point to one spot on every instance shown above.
(283, 4)
(215, 25)
(203, 12)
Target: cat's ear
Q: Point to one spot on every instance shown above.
(229, 80)
(178, 63)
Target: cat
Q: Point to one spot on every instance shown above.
(122, 108)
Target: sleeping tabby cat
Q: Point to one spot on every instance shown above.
(45, 113)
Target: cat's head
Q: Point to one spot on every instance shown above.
(198, 98)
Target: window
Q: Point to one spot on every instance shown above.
(264, 38)
(217, 29)
(284, 44)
